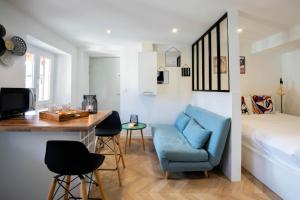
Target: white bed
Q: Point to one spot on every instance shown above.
(271, 151)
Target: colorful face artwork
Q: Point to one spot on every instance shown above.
(262, 104)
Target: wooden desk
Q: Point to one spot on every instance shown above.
(22, 151)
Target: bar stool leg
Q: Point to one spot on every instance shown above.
(126, 140)
(101, 143)
(99, 184)
(116, 158)
(52, 189)
(120, 150)
(143, 139)
(83, 189)
(67, 186)
(97, 144)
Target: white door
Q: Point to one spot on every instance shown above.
(105, 82)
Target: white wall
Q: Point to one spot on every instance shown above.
(62, 79)
(171, 98)
(290, 75)
(17, 23)
(105, 82)
(82, 76)
(263, 71)
(228, 104)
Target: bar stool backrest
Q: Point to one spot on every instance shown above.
(65, 156)
(112, 122)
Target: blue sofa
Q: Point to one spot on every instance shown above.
(176, 154)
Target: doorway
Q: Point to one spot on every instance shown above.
(105, 82)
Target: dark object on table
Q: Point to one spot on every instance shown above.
(20, 46)
(2, 31)
(15, 101)
(72, 158)
(90, 103)
(109, 130)
(134, 119)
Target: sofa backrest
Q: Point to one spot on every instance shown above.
(220, 127)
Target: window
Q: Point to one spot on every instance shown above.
(39, 73)
(210, 71)
(29, 70)
(44, 80)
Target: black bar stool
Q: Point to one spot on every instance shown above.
(72, 158)
(109, 130)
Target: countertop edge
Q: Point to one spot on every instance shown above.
(53, 128)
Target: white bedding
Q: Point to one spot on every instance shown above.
(278, 135)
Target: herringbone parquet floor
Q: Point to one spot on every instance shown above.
(143, 180)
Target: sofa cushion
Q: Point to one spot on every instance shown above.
(181, 121)
(219, 126)
(171, 145)
(196, 135)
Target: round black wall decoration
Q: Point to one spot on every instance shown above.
(10, 48)
(2, 47)
(19, 46)
(2, 31)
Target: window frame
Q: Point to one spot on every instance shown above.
(207, 58)
(38, 53)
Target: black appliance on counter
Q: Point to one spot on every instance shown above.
(16, 101)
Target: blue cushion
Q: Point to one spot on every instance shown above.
(181, 121)
(219, 126)
(196, 135)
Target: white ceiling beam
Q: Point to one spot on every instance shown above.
(277, 40)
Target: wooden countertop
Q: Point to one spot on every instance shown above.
(30, 123)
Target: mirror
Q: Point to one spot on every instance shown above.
(173, 57)
(162, 76)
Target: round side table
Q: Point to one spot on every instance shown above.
(139, 126)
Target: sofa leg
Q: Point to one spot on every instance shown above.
(166, 174)
(206, 174)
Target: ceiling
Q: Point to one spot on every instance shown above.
(255, 28)
(84, 22)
